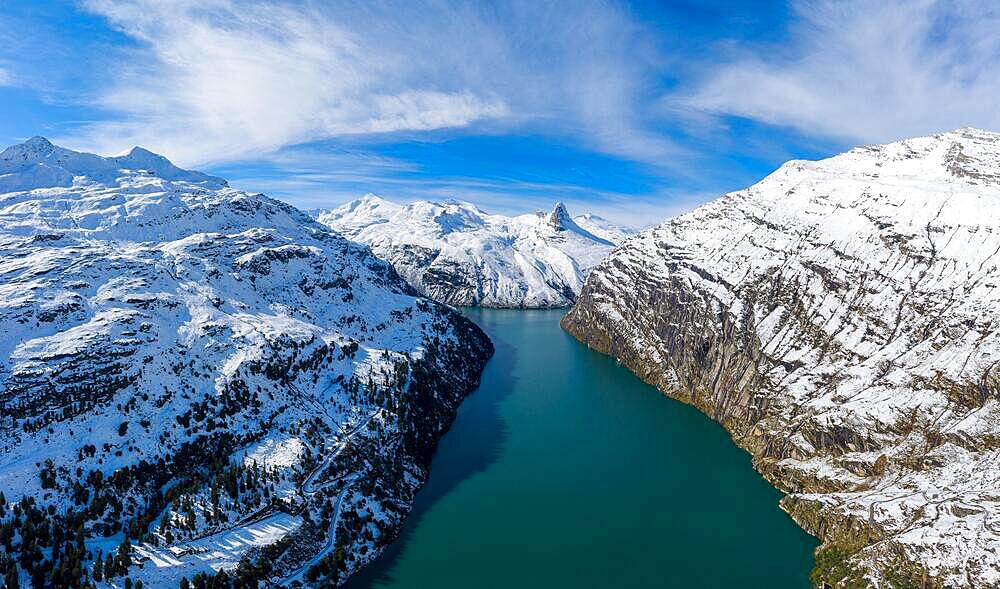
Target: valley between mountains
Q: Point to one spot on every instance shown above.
(456, 253)
(206, 386)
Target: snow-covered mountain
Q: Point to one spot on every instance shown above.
(455, 253)
(206, 372)
(604, 228)
(840, 318)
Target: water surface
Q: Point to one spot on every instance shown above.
(565, 470)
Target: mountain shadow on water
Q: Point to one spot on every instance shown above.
(471, 446)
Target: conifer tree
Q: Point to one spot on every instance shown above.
(13, 579)
(125, 555)
(98, 570)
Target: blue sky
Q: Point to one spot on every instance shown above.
(635, 111)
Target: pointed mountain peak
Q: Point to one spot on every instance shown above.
(559, 218)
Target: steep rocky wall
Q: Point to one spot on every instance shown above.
(692, 349)
(838, 319)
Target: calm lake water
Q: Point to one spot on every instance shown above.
(565, 470)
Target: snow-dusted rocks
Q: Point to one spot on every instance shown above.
(208, 371)
(456, 253)
(840, 319)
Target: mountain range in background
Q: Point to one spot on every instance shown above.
(455, 253)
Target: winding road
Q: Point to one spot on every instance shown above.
(310, 490)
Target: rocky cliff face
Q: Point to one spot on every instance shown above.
(840, 319)
(196, 379)
(455, 253)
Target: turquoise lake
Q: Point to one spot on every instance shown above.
(565, 470)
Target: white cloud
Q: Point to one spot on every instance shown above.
(220, 80)
(866, 71)
(217, 80)
(6, 78)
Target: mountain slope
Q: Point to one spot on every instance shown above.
(456, 253)
(208, 371)
(604, 229)
(840, 319)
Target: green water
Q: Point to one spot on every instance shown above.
(564, 470)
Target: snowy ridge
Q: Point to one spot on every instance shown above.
(604, 229)
(204, 369)
(840, 319)
(455, 253)
(37, 163)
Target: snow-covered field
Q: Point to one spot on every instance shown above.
(166, 565)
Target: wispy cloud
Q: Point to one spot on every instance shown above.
(216, 80)
(6, 79)
(865, 71)
(219, 80)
